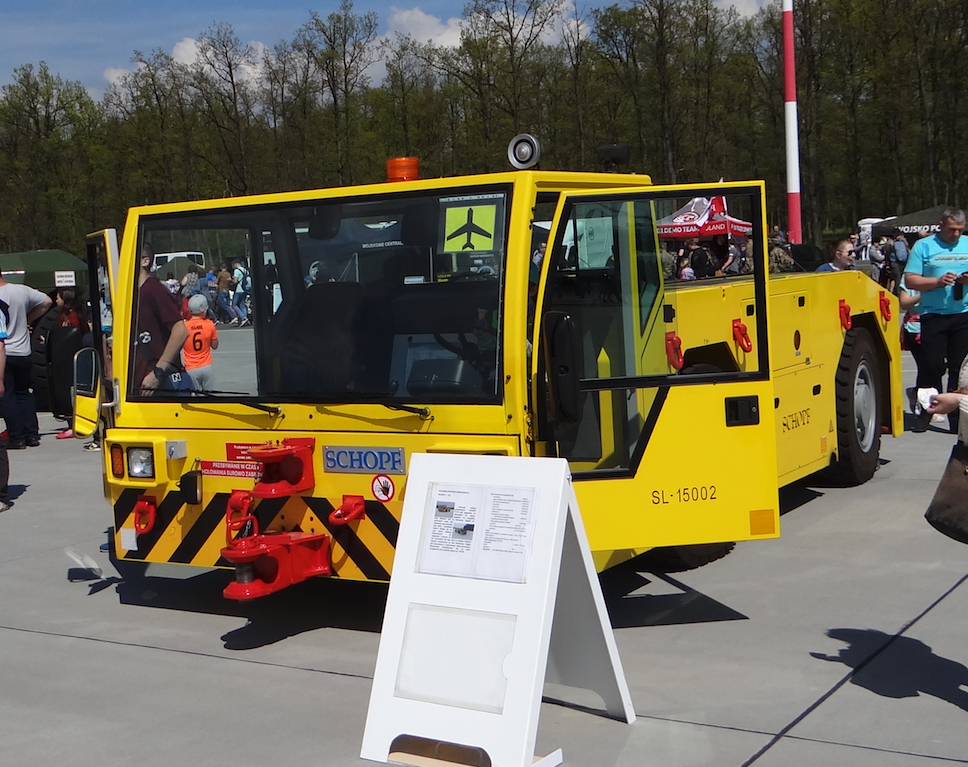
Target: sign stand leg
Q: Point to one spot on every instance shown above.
(583, 653)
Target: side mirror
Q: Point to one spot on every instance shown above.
(86, 373)
(562, 366)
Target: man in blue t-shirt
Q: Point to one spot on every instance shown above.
(938, 268)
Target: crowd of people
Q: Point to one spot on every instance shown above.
(173, 348)
(721, 257)
(927, 271)
(227, 291)
(929, 276)
(177, 333)
(883, 261)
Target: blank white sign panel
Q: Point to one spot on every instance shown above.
(466, 666)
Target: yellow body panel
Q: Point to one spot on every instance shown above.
(806, 339)
(689, 479)
(686, 491)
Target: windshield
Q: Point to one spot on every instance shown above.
(359, 299)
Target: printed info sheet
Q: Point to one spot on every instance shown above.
(473, 531)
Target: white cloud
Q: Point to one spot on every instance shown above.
(112, 74)
(253, 71)
(423, 27)
(745, 7)
(185, 50)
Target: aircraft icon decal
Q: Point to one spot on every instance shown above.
(460, 223)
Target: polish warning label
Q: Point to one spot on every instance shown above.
(239, 469)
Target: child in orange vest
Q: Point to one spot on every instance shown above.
(202, 338)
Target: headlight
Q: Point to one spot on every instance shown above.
(141, 463)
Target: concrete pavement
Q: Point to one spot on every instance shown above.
(843, 643)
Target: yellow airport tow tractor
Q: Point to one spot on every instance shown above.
(523, 313)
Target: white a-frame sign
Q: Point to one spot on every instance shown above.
(493, 586)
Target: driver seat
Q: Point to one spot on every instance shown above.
(321, 353)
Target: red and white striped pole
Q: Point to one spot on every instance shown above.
(794, 228)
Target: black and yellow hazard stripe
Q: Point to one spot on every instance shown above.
(360, 550)
(205, 526)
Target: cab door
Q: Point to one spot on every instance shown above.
(655, 388)
(94, 371)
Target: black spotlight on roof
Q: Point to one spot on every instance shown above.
(524, 151)
(613, 155)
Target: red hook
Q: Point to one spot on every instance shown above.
(240, 503)
(144, 508)
(885, 306)
(741, 336)
(674, 349)
(845, 315)
(352, 507)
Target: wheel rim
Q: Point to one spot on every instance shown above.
(865, 406)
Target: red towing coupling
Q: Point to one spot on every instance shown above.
(741, 336)
(270, 561)
(845, 321)
(885, 306)
(674, 350)
(145, 514)
(352, 507)
(287, 469)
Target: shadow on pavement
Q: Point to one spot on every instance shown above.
(905, 667)
(796, 495)
(314, 604)
(633, 599)
(672, 602)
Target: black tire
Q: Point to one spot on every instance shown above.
(677, 559)
(858, 391)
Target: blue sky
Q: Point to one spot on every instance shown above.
(88, 40)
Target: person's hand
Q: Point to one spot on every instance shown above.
(963, 278)
(948, 278)
(941, 404)
(149, 384)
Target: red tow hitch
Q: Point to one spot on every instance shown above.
(145, 514)
(287, 469)
(885, 303)
(271, 561)
(352, 507)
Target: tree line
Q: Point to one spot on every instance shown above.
(695, 89)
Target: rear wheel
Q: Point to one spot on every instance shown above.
(857, 387)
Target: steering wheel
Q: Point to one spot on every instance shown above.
(467, 351)
(483, 274)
